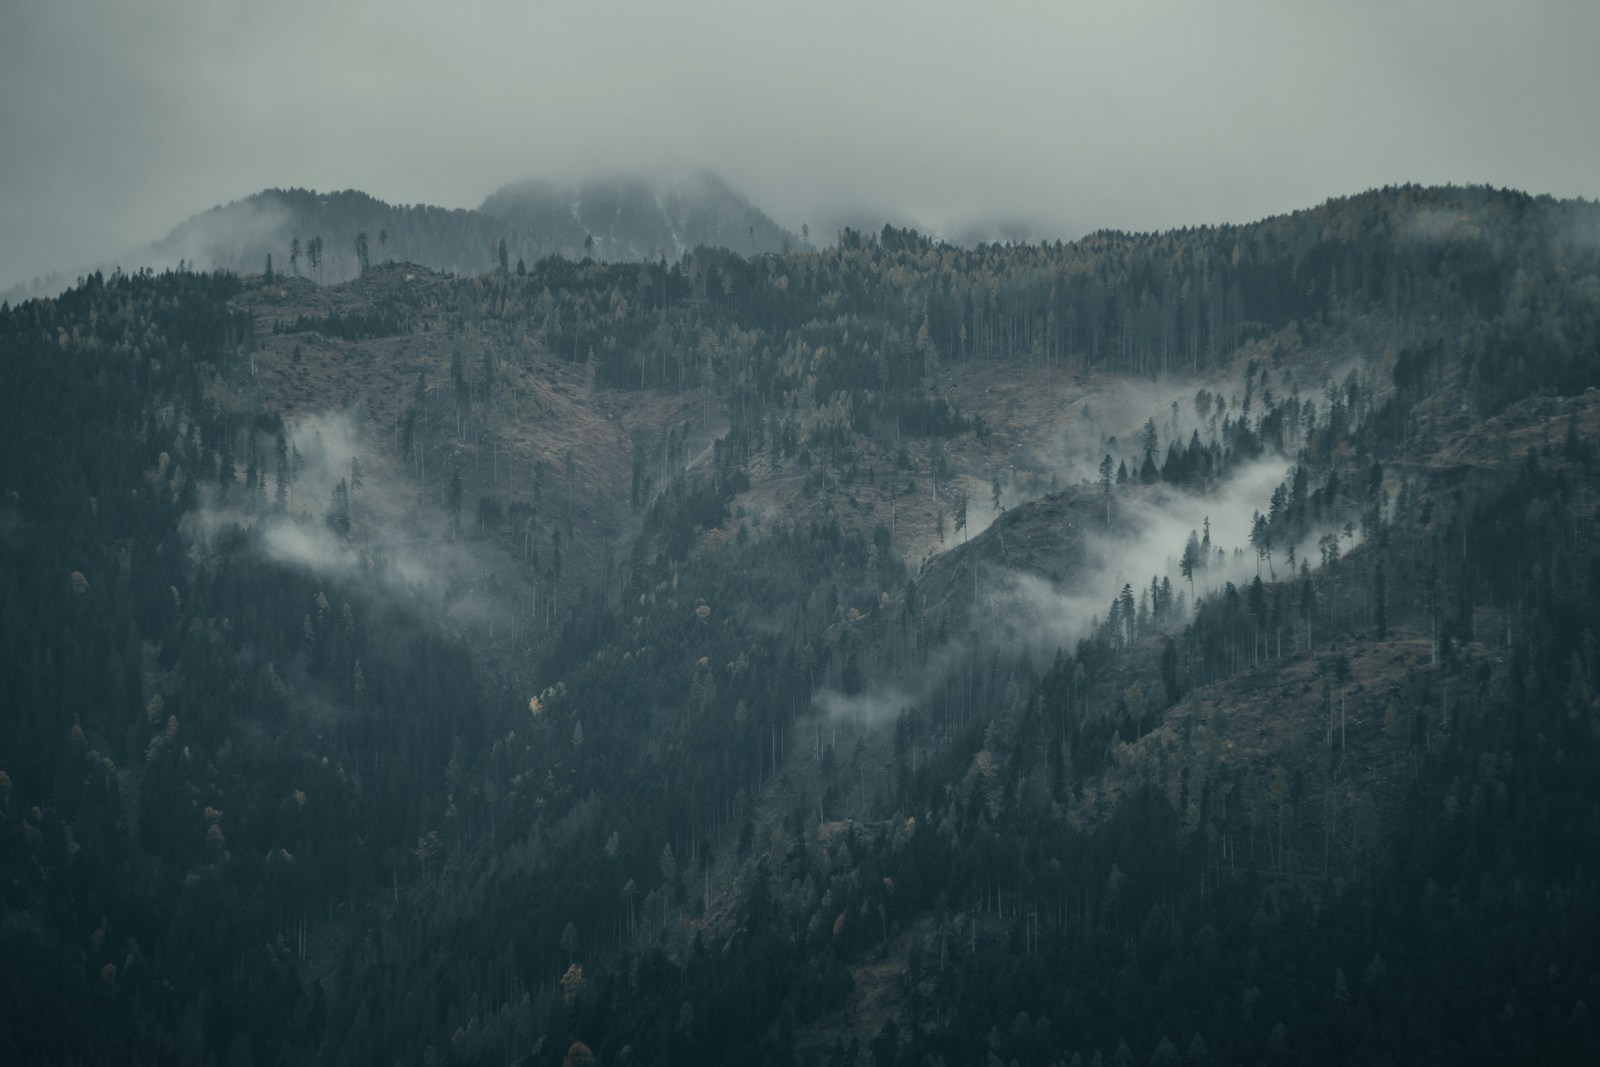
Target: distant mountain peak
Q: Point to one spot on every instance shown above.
(615, 217)
(630, 216)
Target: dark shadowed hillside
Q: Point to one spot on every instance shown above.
(1161, 647)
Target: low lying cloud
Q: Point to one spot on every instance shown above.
(394, 538)
(1021, 611)
(871, 707)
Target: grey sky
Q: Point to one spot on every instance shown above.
(119, 119)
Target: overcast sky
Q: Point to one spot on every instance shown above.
(119, 119)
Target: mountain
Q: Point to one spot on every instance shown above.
(1164, 646)
(616, 218)
(629, 218)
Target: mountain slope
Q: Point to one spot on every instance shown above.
(565, 620)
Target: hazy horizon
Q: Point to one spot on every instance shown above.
(1054, 119)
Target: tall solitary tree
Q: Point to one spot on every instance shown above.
(1190, 561)
(1380, 609)
(1105, 484)
(1129, 612)
(452, 502)
(570, 465)
(338, 514)
(281, 494)
(1261, 540)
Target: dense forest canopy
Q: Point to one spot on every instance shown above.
(680, 659)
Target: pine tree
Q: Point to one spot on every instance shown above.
(452, 502)
(1105, 484)
(1190, 561)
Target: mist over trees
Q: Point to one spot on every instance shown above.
(1313, 786)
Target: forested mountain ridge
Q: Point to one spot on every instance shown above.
(632, 218)
(328, 236)
(562, 618)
